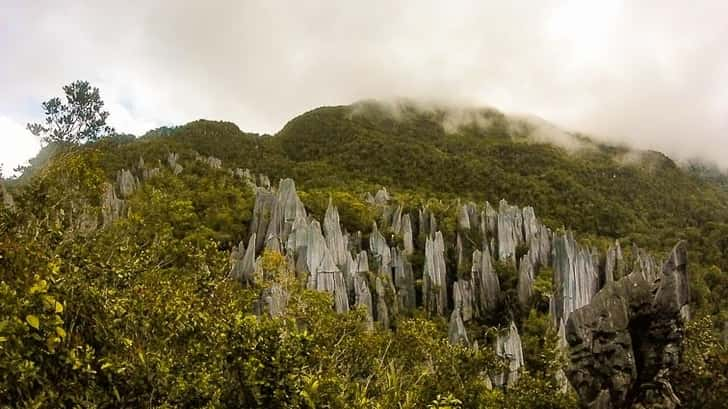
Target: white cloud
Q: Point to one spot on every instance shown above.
(17, 145)
(650, 73)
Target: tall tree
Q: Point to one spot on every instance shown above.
(80, 119)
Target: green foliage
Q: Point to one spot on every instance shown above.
(80, 119)
(702, 381)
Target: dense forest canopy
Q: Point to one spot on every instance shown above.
(142, 312)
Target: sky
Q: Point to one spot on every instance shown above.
(651, 74)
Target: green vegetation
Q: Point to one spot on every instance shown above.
(141, 313)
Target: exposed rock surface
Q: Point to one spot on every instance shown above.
(334, 236)
(614, 264)
(487, 286)
(127, 183)
(404, 280)
(112, 207)
(456, 332)
(407, 236)
(243, 261)
(508, 346)
(525, 280)
(576, 277)
(434, 276)
(624, 343)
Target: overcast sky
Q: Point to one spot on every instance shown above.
(651, 73)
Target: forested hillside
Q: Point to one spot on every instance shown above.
(142, 309)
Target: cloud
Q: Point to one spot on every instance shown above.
(18, 145)
(651, 74)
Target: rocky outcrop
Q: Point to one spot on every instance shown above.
(435, 276)
(487, 286)
(525, 280)
(626, 341)
(380, 250)
(242, 261)
(172, 159)
(576, 277)
(463, 299)
(613, 264)
(456, 332)
(262, 212)
(127, 183)
(382, 197)
(334, 236)
(362, 294)
(112, 207)
(407, 236)
(383, 310)
(404, 280)
(508, 346)
(510, 230)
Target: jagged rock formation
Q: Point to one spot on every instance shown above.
(211, 161)
(613, 264)
(613, 364)
(127, 183)
(434, 276)
(576, 277)
(380, 250)
(112, 207)
(487, 286)
(510, 230)
(243, 261)
(456, 332)
(625, 342)
(463, 299)
(404, 280)
(172, 159)
(525, 280)
(508, 346)
(335, 239)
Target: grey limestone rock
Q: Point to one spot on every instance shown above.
(614, 263)
(127, 183)
(264, 182)
(112, 208)
(403, 279)
(525, 280)
(508, 346)
(510, 230)
(362, 296)
(380, 250)
(383, 310)
(407, 236)
(243, 261)
(487, 286)
(435, 276)
(265, 201)
(316, 250)
(627, 340)
(463, 299)
(382, 197)
(456, 332)
(334, 236)
(576, 277)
